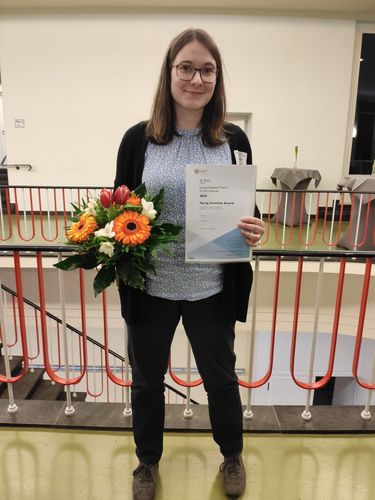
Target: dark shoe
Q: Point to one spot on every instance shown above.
(234, 476)
(144, 482)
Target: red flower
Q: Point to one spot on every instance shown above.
(121, 195)
(105, 197)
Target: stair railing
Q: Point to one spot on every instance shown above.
(69, 381)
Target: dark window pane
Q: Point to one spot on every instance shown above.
(363, 147)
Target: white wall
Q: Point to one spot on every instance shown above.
(80, 80)
(2, 140)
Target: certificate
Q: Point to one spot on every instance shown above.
(216, 199)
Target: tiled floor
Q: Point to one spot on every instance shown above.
(40, 464)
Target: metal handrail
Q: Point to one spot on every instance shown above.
(259, 190)
(368, 257)
(88, 338)
(353, 254)
(290, 219)
(16, 166)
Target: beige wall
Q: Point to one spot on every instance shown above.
(79, 81)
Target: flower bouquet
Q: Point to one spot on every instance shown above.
(120, 234)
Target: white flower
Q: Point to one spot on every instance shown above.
(107, 247)
(91, 207)
(148, 209)
(106, 231)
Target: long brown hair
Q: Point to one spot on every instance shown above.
(161, 127)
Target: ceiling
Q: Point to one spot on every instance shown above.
(361, 10)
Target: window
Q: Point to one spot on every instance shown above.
(363, 146)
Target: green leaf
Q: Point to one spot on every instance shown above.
(156, 240)
(72, 219)
(173, 229)
(129, 273)
(141, 190)
(84, 261)
(145, 265)
(105, 277)
(76, 208)
(154, 253)
(133, 208)
(158, 202)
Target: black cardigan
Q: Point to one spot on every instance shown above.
(237, 276)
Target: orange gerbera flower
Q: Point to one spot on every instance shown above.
(131, 228)
(81, 230)
(133, 200)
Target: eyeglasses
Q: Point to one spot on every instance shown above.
(187, 72)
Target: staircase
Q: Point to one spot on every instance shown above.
(33, 385)
(36, 385)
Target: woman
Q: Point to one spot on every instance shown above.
(186, 127)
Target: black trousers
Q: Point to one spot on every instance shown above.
(212, 341)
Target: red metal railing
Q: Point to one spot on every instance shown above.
(110, 374)
(31, 216)
(180, 381)
(305, 241)
(7, 218)
(21, 311)
(332, 220)
(361, 322)
(267, 376)
(47, 365)
(54, 368)
(331, 215)
(328, 375)
(55, 215)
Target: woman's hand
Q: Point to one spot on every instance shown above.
(252, 230)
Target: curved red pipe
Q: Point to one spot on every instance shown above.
(292, 222)
(18, 216)
(179, 380)
(111, 375)
(267, 232)
(361, 321)
(6, 189)
(340, 286)
(47, 364)
(41, 217)
(309, 243)
(21, 312)
(263, 380)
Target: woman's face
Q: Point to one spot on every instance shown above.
(192, 95)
